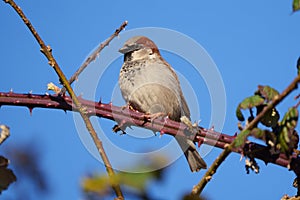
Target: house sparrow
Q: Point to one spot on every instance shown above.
(149, 85)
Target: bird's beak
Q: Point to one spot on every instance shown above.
(129, 48)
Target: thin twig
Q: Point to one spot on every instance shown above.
(46, 50)
(95, 54)
(217, 163)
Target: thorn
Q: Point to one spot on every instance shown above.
(80, 96)
(30, 93)
(65, 111)
(161, 132)
(266, 162)
(199, 143)
(155, 133)
(235, 134)
(100, 101)
(30, 110)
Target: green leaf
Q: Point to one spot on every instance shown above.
(267, 92)
(270, 118)
(296, 5)
(239, 114)
(258, 133)
(241, 138)
(251, 102)
(290, 118)
(284, 140)
(287, 136)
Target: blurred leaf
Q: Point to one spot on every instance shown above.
(241, 138)
(271, 117)
(96, 184)
(251, 102)
(137, 180)
(25, 159)
(100, 184)
(296, 5)
(7, 176)
(267, 92)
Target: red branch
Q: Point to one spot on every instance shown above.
(126, 117)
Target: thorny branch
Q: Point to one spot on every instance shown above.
(47, 51)
(126, 117)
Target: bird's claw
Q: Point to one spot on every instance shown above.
(152, 117)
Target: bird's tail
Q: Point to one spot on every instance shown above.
(191, 154)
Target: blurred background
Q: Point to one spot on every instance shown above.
(251, 43)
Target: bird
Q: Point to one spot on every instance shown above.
(150, 85)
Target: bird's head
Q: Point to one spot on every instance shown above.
(139, 47)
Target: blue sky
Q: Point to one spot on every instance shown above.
(251, 43)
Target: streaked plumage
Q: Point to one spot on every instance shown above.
(150, 85)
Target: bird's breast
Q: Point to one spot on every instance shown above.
(151, 87)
